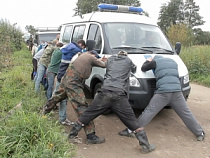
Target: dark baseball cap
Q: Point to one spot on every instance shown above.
(95, 53)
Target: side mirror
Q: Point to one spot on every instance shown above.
(178, 47)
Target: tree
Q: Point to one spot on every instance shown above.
(30, 29)
(201, 37)
(176, 12)
(182, 33)
(171, 14)
(87, 6)
(192, 18)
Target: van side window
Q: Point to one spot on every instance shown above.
(67, 34)
(78, 33)
(95, 34)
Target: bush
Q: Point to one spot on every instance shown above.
(25, 133)
(10, 41)
(197, 60)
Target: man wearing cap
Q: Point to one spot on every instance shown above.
(114, 95)
(72, 85)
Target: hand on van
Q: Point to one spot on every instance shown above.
(149, 59)
(104, 59)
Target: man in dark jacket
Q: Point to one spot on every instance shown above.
(67, 54)
(114, 95)
(168, 91)
(72, 85)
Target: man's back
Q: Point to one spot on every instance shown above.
(84, 63)
(118, 72)
(167, 75)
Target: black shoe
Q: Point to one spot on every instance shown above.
(94, 139)
(126, 133)
(201, 137)
(48, 108)
(143, 142)
(75, 130)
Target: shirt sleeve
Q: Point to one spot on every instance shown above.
(148, 65)
(98, 63)
(133, 67)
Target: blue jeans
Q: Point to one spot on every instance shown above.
(50, 81)
(40, 74)
(62, 107)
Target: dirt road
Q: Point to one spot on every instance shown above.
(166, 131)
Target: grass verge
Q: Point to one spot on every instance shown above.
(24, 132)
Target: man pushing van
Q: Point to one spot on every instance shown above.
(71, 86)
(114, 95)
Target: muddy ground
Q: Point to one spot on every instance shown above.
(166, 131)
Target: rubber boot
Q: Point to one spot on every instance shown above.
(94, 139)
(143, 142)
(75, 130)
(48, 107)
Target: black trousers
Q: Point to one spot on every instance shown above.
(117, 101)
(34, 62)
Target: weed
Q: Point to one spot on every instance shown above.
(25, 133)
(197, 60)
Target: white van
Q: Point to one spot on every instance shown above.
(108, 32)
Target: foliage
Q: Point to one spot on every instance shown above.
(192, 18)
(197, 59)
(30, 29)
(26, 133)
(181, 33)
(10, 41)
(176, 12)
(87, 6)
(201, 37)
(171, 14)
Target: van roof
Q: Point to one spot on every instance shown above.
(103, 17)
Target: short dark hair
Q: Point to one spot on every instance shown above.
(59, 44)
(81, 42)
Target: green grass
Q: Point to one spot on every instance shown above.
(26, 133)
(197, 60)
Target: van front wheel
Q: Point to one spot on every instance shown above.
(97, 87)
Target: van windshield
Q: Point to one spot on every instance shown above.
(137, 36)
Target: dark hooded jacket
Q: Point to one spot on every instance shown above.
(118, 72)
(67, 54)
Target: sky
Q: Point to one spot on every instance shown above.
(53, 13)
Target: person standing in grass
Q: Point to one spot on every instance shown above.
(52, 71)
(43, 65)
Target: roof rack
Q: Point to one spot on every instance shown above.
(40, 29)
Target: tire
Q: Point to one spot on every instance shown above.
(97, 87)
(87, 93)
